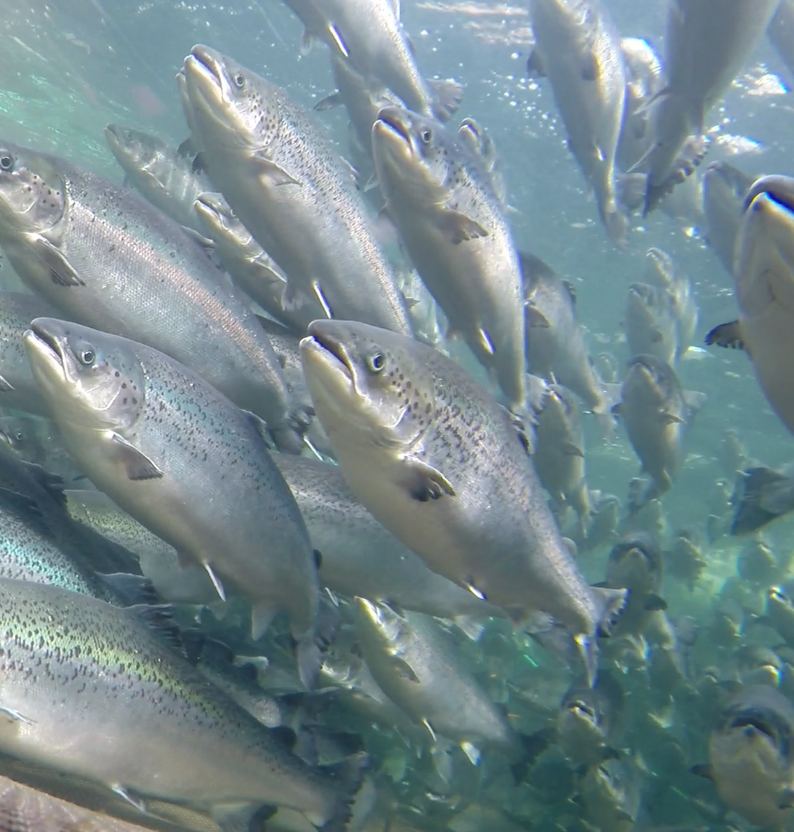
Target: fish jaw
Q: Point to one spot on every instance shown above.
(398, 157)
(211, 95)
(51, 366)
(330, 382)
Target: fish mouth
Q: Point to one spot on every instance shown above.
(391, 122)
(582, 710)
(205, 72)
(636, 558)
(333, 347)
(645, 363)
(760, 720)
(47, 352)
(640, 291)
(114, 131)
(205, 205)
(46, 339)
(779, 189)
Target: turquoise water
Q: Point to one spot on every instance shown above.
(67, 70)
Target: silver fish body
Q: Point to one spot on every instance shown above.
(359, 557)
(439, 463)
(278, 173)
(159, 561)
(78, 673)
(650, 321)
(106, 258)
(250, 267)
(368, 35)
(643, 81)
(764, 291)
(187, 463)
(579, 49)
(663, 272)
(724, 190)
(750, 753)
(18, 390)
(159, 172)
(555, 344)
(454, 229)
(655, 414)
(559, 454)
(419, 670)
(707, 44)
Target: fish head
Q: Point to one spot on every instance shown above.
(613, 784)
(17, 436)
(478, 141)
(368, 384)
(132, 148)
(412, 150)
(779, 605)
(660, 268)
(240, 109)
(758, 723)
(757, 561)
(724, 182)
(33, 195)
(764, 263)
(341, 671)
(379, 626)
(86, 375)
(758, 665)
(651, 380)
(643, 302)
(219, 219)
(580, 719)
(635, 562)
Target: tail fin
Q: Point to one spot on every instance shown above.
(347, 778)
(761, 495)
(313, 644)
(288, 437)
(609, 603)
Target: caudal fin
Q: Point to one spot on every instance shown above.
(761, 495)
(608, 603)
(347, 778)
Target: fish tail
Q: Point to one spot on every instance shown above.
(347, 778)
(608, 605)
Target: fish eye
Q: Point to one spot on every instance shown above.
(20, 436)
(239, 80)
(87, 356)
(376, 362)
(426, 136)
(6, 162)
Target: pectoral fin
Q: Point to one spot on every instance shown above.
(459, 228)
(137, 465)
(62, 271)
(403, 669)
(425, 482)
(268, 169)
